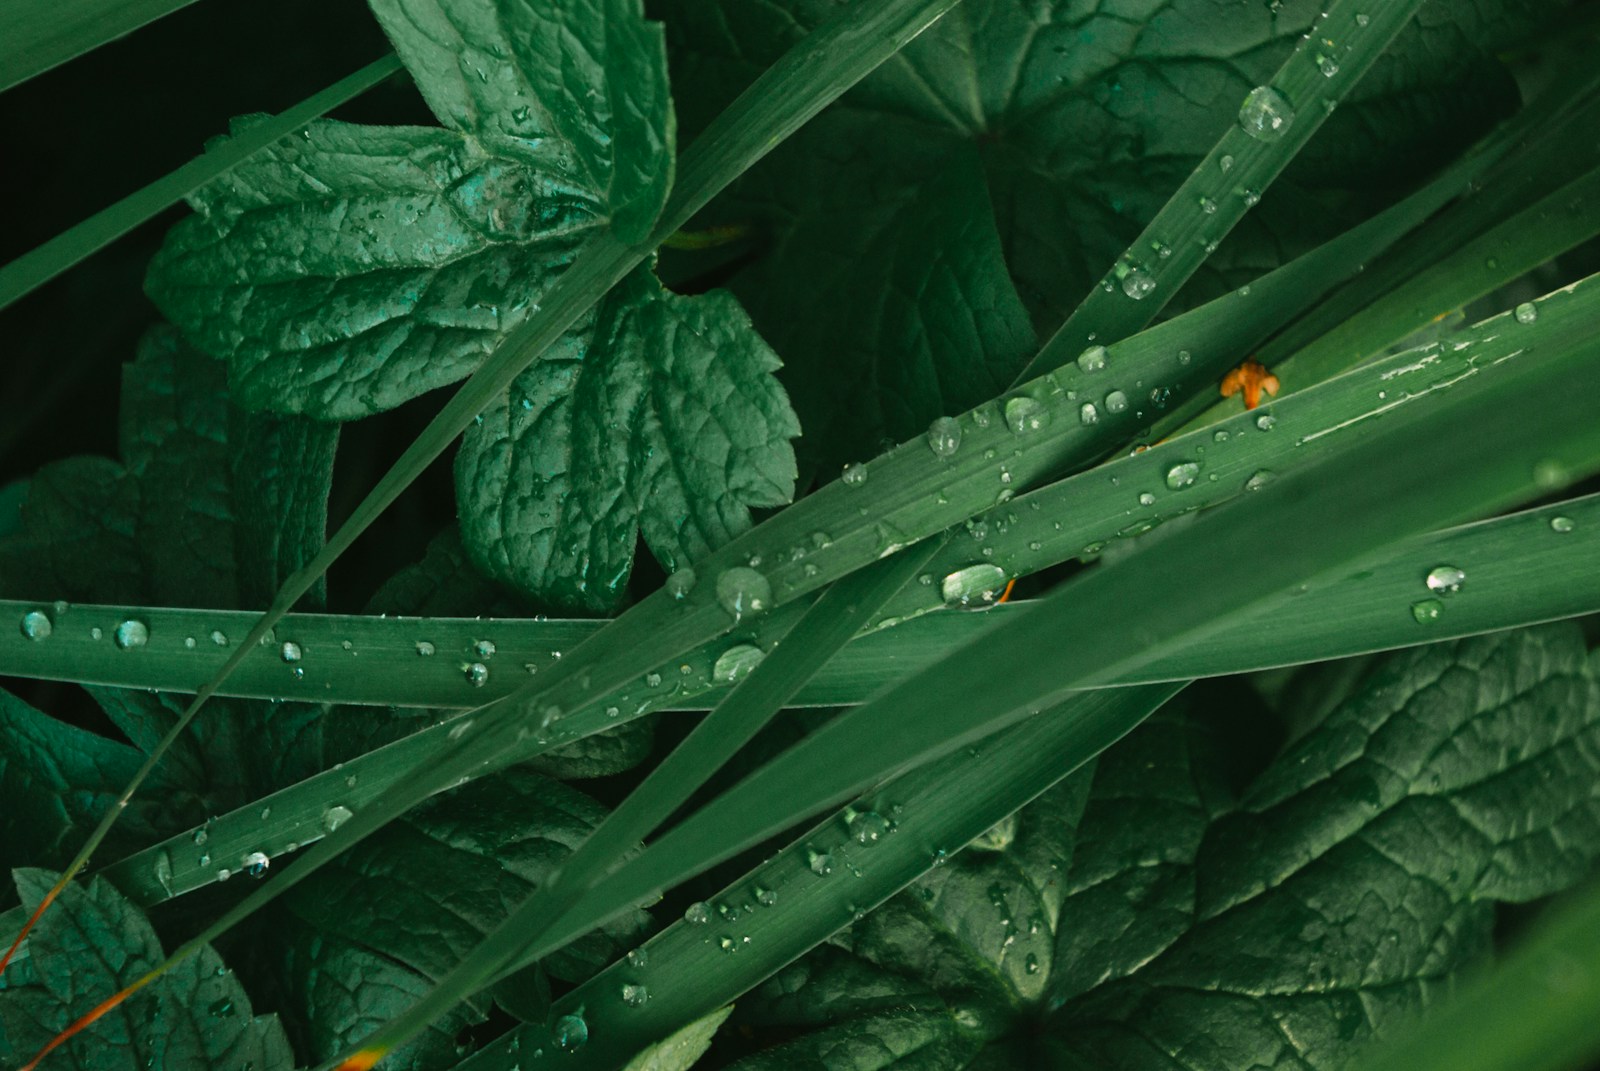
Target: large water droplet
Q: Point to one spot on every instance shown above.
(944, 436)
(1259, 479)
(570, 1032)
(477, 674)
(1265, 114)
(1182, 474)
(1562, 524)
(336, 816)
(1088, 413)
(484, 649)
(1116, 402)
(1092, 359)
(697, 913)
(635, 995)
(974, 587)
(1445, 580)
(1427, 611)
(681, 582)
(424, 648)
(1526, 313)
(1138, 283)
(869, 827)
(131, 633)
(743, 592)
(290, 651)
(256, 864)
(1024, 414)
(736, 663)
(854, 474)
(163, 872)
(36, 625)
(821, 863)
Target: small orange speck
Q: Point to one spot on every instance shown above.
(1252, 378)
(362, 1060)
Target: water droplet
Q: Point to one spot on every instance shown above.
(869, 827)
(638, 957)
(424, 648)
(1031, 964)
(1225, 163)
(635, 995)
(1327, 65)
(1116, 402)
(743, 591)
(765, 897)
(1259, 479)
(1088, 413)
(131, 633)
(256, 864)
(477, 674)
(1562, 524)
(1426, 611)
(1265, 421)
(336, 816)
(944, 436)
(219, 637)
(821, 863)
(1526, 313)
(163, 872)
(95, 633)
(201, 835)
(1138, 284)
(652, 680)
(974, 587)
(1208, 206)
(223, 873)
(1265, 115)
(1183, 357)
(1445, 580)
(290, 651)
(681, 582)
(1024, 414)
(1147, 499)
(484, 649)
(1182, 474)
(854, 474)
(736, 663)
(36, 625)
(570, 1032)
(697, 913)
(1092, 359)
(1362, 20)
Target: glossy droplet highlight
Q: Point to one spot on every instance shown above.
(944, 436)
(484, 649)
(1116, 402)
(1182, 474)
(1259, 479)
(974, 587)
(736, 662)
(1138, 284)
(697, 913)
(256, 864)
(36, 625)
(635, 995)
(1024, 414)
(290, 651)
(131, 633)
(1562, 524)
(1445, 580)
(1427, 611)
(681, 582)
(1092, 359)
(1088, 414)
(476, 673)
(1526, 313)
(869, 827)
(743, 592)
(1265, 115)
(854, 474)
(821, 863)
(424, 648)
(570, 1032)
(336, 816)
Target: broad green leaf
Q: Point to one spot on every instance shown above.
(93, 944)
(591, 73)
(1338, 893)
(680, 1051)
(661, 417)
(348, 270)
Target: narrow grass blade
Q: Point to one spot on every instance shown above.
(830, 622)
(1275, 122)
(1534, 1011)
(791, 902)
(40, 36)
(37, 267)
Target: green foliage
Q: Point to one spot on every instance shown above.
(377, 822)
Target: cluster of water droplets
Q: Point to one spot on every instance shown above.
(1442, 581)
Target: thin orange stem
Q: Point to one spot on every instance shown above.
(98, 1010)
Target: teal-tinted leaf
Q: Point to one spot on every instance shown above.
(56, 781)
(591, 73)
(75, 540)
(680, 1051)
(1356, 875)
(923, 318)
(660, 415)
(351, 269)
(93, 943)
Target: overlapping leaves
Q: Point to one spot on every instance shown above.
(352, 269)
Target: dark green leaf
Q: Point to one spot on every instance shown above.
(92, 944)
(660, 416)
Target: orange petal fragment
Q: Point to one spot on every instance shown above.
(1006, 594)
(363, 1060)
(1252, 378)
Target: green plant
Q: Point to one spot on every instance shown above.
(1029, 841)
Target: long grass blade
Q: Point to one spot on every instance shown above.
(39, 36)
(37, 267)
